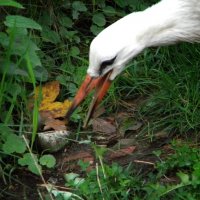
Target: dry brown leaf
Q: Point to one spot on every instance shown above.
(55, 124)
(50, 110)
(121, 152)
(82, 155)
(103, 126)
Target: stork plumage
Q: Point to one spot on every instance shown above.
(167, 22)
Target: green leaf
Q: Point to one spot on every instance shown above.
(121, 3)
(74, 51)
(32, 162)
(184, 177)
(5, 131)
(49, 35)
(75, 14)
(41, 73)
(46, 18)
(4, 39)
(18, 31)
(70, 176)
(79, 6)
(99, 19)
(66, 21)
(10, 3)
(109, 11)
(48, 160)
(13, 144)
(21, 22)
(96, 29)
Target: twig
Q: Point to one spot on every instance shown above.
(144, 162)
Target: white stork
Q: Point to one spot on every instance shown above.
(167, 22)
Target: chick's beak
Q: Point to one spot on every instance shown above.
(100, 85)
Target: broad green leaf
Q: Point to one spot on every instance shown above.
(184, 177)
(121, 3)
(46, 18)
(21, 22)
(18, 31)
(75, 14)
(10, 3)
(66, 21)
(22, 45)
(96, 29)
(48, 160)
(41, 73)
(62, 195)
(4, 39)
(5, 131)
(31, 161)
(13, 144)
(49, 35)
(109, 11)
(79, 6)
(34, 58)
(15, 89)
(74, 51)
(70, 176)
(99, 19)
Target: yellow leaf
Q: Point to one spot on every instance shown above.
(57, 109)
(49, 91)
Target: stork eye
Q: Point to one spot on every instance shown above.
(106, 63)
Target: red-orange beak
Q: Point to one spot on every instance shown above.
(101, 86)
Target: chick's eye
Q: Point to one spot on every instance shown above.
(106, 63)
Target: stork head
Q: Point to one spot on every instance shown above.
(109, 53)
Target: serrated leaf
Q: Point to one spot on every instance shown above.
(21, 22)
(31, 161)
(13, 144)
(48, 160)
(10, 3)
(79, 6)
(99, 19)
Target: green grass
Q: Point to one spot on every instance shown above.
(169, 79)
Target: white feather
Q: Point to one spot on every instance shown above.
(166, 22)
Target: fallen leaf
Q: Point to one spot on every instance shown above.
(99, 111)
(129, 124)
(83, 155)
(103, 126)
(121, 152)
(55, 124)
(49, 92)
(126, 142)
(57, 109)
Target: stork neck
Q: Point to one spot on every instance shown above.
(169, 21)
